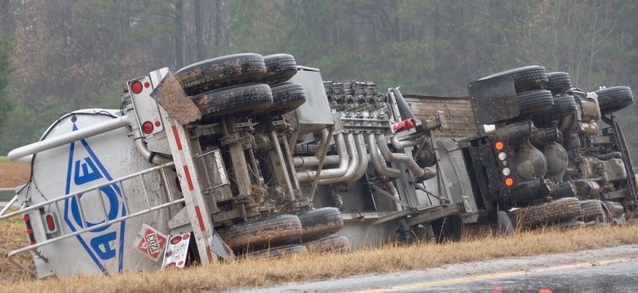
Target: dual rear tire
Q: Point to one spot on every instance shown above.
(241, 83)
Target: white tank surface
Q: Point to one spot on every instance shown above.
(85, 167)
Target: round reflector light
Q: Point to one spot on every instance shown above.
(147, 127)
(509, 181)
(502, 156)
(136, 87)
(176, 239)
(507, 171)
(499, 145)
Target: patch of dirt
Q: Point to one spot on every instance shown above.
(14, 174)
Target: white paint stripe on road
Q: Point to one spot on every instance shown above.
(495, 276)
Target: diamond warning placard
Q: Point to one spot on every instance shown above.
(151, 242)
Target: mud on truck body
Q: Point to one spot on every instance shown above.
(252, 155)
(554, 153)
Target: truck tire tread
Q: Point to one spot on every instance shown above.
(319, 223)
(243, 98)
(330, 244)
(563, 209)
(614, 98)
(563, 106)
(286, 97)
(593, 210)
(525, 78)
(279, 68)
(534, 102)
(558, 82)
(220, 72)
(269, 231)
(279, 251)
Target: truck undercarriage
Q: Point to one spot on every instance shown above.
(254, 155)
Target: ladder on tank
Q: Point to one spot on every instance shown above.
(65, 232)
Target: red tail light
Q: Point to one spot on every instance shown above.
(27, 221)
(50, 220)
(509, 181)
(147, 127)
(136, 87)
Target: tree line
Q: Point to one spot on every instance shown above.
(78, 54)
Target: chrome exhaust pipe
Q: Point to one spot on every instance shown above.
(305, 176)
(377, 161)
(363, 158)
(420, 173)
(310, 161)
(313, 160)
(354, 163)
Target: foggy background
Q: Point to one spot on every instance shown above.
(59, 56)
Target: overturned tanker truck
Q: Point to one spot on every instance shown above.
(255, 155)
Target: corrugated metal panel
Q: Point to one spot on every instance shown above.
(457, 111)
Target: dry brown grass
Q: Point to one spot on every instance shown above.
(13, 236)
(253, 273)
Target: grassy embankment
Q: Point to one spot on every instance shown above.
(264, 272)
(252, 272)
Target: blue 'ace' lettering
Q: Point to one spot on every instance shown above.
(105, 242)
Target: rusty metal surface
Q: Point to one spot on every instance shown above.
(457, 111)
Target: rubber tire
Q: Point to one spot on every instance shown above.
(330, 244)
(269, 231)
(558, 82)
(534, 102)
(448, 229)
(220, 72)
(614, 98)
(563, 106)
(243, 98)
(279, 68)
(593, 210)
(286, 97)
(319, 223)
(525, 78)
(279, 251)
(570, 225)
(563, 209)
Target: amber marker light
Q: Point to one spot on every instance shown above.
(499, 146)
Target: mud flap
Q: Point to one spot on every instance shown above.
(171, 96)
(504, 223)
(629, 166)
(220, 248)
(493, 100)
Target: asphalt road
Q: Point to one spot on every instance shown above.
(603, 270)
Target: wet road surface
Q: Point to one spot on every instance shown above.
(603, 270)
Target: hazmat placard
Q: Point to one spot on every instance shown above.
(151, 242)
